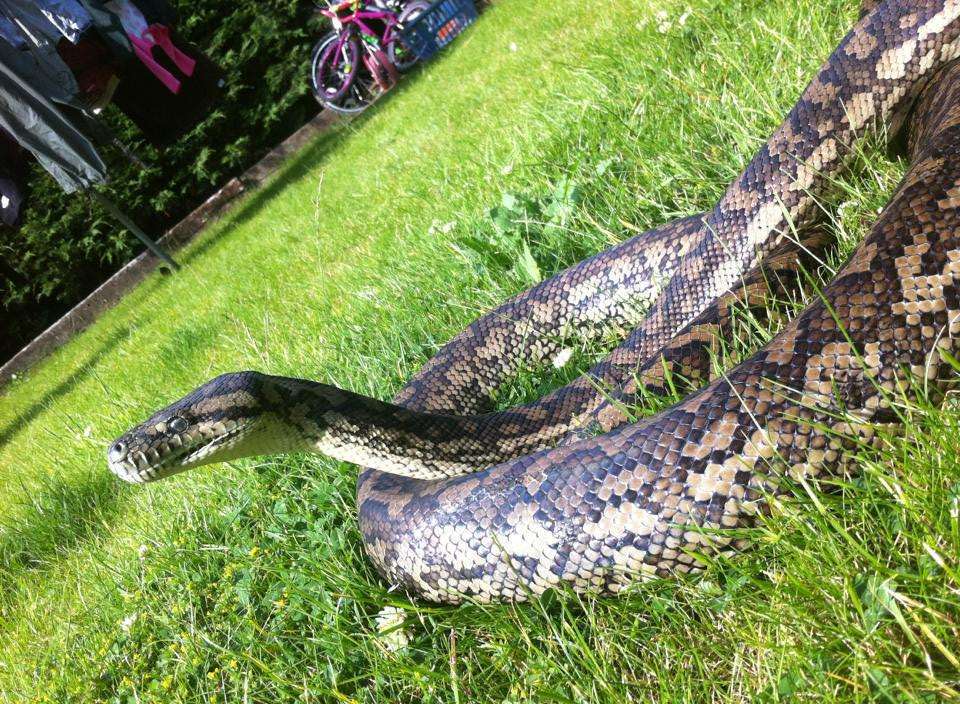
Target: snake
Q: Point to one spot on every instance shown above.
(460, 501)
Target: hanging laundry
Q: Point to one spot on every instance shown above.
(68, 16)
(44, 68)
(13, 180)
(11, 198)
(49, 19)
(145, 37)
(94, 67)
(157, 12)
(10, 33)
(162, 116)
(38, 125)
(109, 29)
(50, 132)
(30, 23)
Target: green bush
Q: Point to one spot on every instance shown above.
(67, 245)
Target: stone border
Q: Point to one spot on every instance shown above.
(111, 291)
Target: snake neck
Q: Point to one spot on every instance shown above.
(249, 414)
(354, 428)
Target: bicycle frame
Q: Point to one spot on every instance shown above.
(357, 16)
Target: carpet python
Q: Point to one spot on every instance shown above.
(459, 501)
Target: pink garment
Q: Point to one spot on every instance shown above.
(144, 38)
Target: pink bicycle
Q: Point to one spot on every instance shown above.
(362, 57)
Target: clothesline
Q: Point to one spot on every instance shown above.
(63, 60)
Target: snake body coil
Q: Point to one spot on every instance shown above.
(460, 502)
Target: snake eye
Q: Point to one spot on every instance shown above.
(117, 452)
(178, 424)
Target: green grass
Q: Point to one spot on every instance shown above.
(248, 582)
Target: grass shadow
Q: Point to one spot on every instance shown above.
(69, 382)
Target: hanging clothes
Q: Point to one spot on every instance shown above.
(11, 34)
(94, 67)
(145, 37)
(109, 29)
(11, 198)
(13, 180)
(49, 19)
(28, 89)
(157, 12)
(163, 117)
(29, 115)
(30, 22)
(44, 68)
(68, 16)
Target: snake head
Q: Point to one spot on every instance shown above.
(226, 418)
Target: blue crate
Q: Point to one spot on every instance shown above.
(438, 26)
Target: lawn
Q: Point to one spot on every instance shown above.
(373, 247)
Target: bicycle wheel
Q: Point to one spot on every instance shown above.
(333, 69)
(399, 53)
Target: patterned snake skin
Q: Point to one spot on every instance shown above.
(462, 503)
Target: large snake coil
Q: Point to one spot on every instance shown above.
(461, 502)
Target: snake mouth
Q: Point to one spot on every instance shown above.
(139, 465)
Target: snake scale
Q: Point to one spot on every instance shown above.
(459, 501)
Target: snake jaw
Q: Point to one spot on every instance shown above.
(195, 446)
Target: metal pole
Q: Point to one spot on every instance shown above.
(111, 208)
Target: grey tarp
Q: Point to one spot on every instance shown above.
(27, 112)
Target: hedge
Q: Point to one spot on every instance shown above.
(68, 246)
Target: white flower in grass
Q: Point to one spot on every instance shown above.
(390, 627)
(663, 21)
(127, 623)
(562, 357)
(442, 227)
(665, 24)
